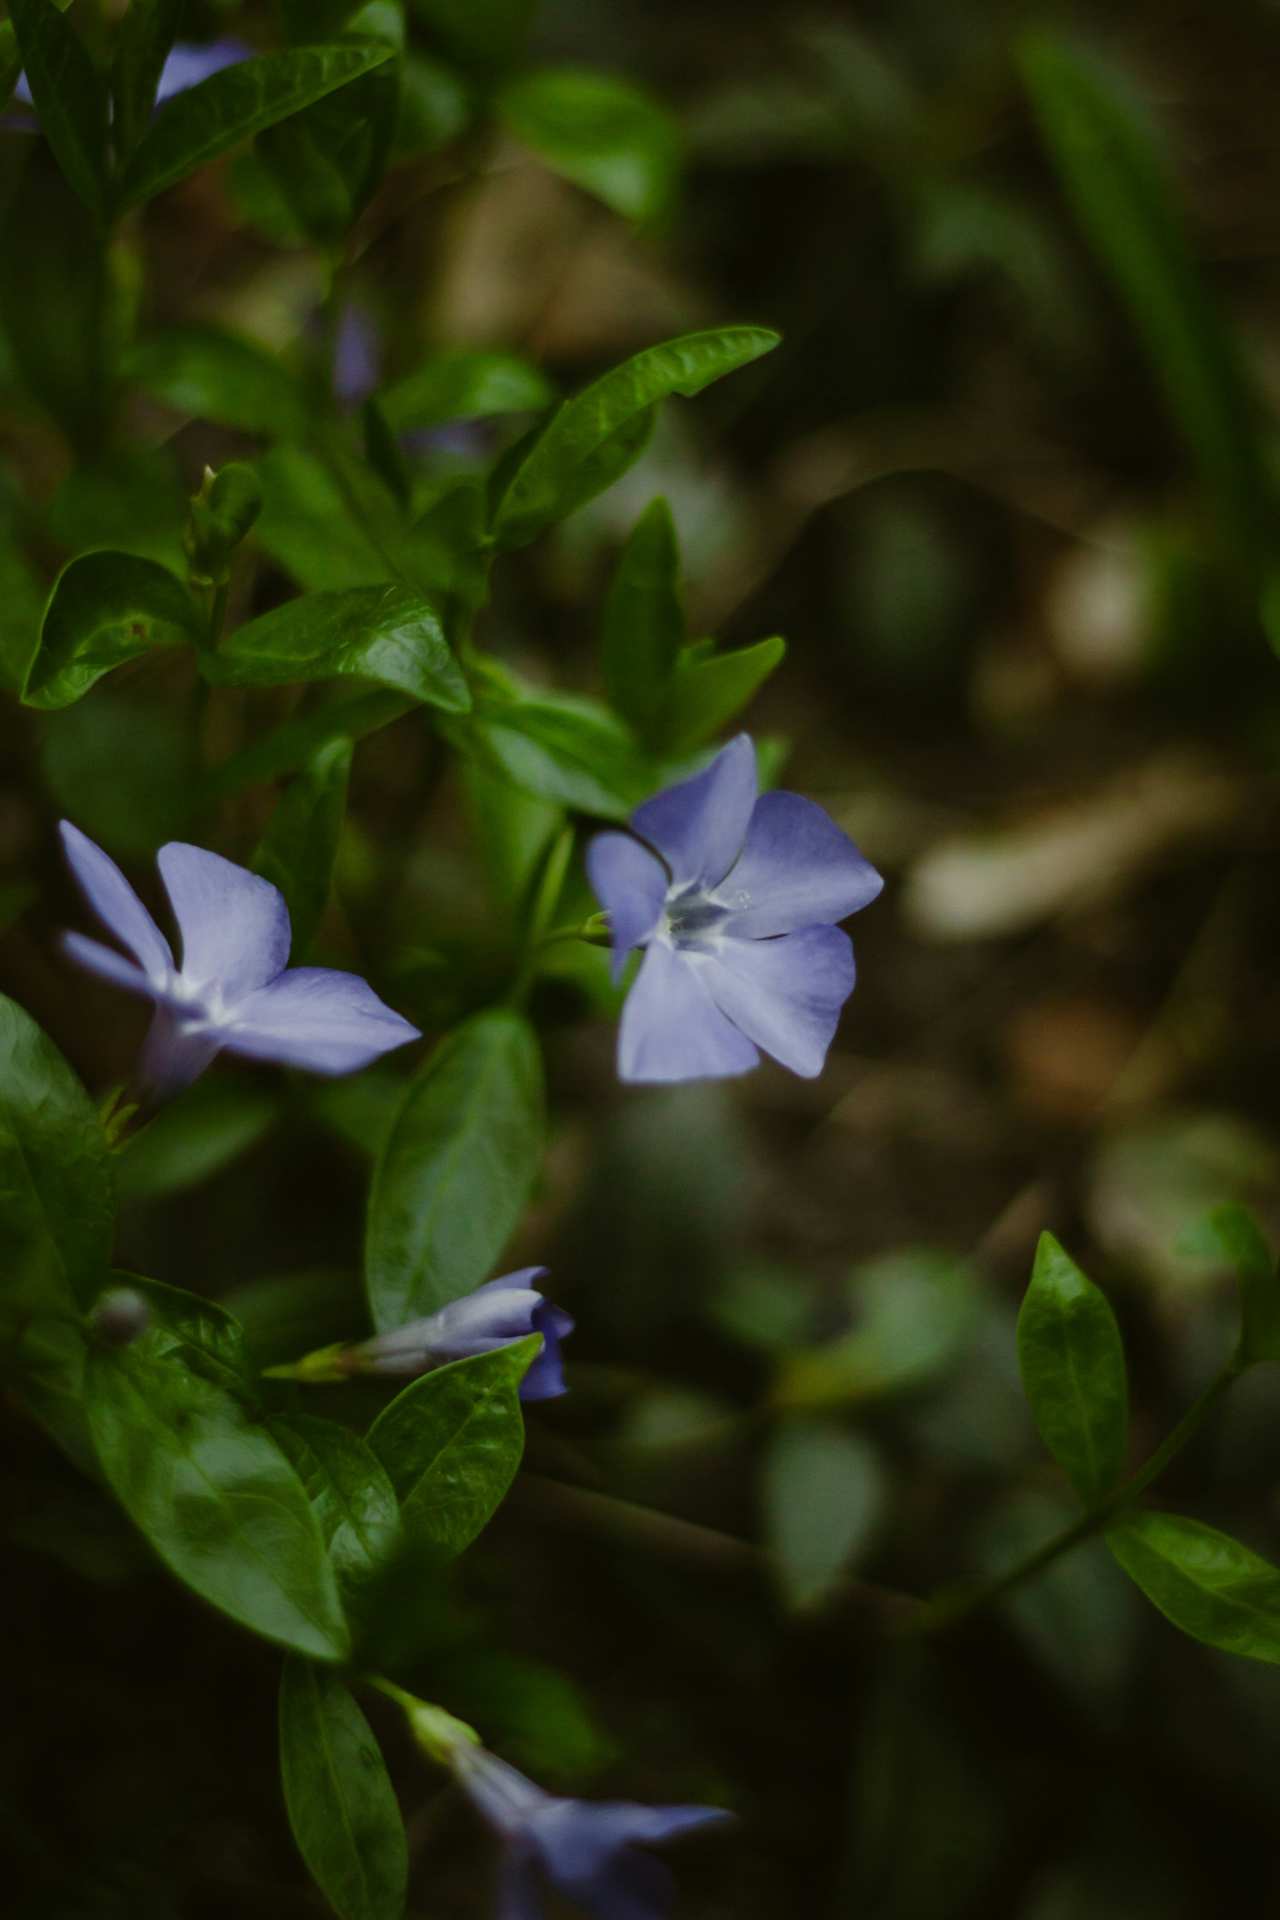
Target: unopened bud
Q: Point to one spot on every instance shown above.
(219, 517)
(119, 1317)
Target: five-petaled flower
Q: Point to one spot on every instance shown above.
(589, 1851)
(233, 990)
(735, 900)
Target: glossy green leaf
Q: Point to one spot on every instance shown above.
(566, 749)
(1118, 182)
(140, 47)
(1205, 1582)
(708, 690)
(547, 482)
(1073, 1371)
(298, 850)
(457, 1170)
(105, 608)
(57, 1193)
(823, 1494)
(213, 375)
(230, 106)
(600, 132)
(70, 95)
(349, 1488)
(464, 384)
(388, 634)
(644, 626)
(207, 1331)
(452, 1442)
(214, 1495)
(342, 1806)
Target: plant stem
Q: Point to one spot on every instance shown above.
(947, 1608)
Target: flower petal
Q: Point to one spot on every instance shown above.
(798, 869)
(518, 1894)
(545, 1378)
(234, 925)
(587, 1849)
(176, 1051)
(631, 885)
(116, 904)
(699, 826)
(786, 994)
(671, 1028)
(190, 61)
(316, 1018)
(107, 963)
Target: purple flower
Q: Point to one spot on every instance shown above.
(357, 356)
(493, 1316)
(736, 907)
(586, 1850)
(188, 62)
(232, 990)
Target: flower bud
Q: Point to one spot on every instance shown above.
(219, 517)
(119, 1316)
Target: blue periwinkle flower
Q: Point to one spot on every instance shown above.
(495, 1315)
(735, 900)
(232, 990)
(187, 63)
(589, 1851)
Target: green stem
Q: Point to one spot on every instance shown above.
(218, 612)
(946, 1609)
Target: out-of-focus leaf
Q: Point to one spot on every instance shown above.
(342, 1806)
(484, 32)
(132, 499)
(70, 95)
(457, 1170)
(462, 383)
(219, 376)
(452, 1442)
(295, 742)
(547, 482)
(347, 1484)
(1072, 1360)
(1234, 1236)
(514, 831)
(1205, 1582)
(915, 1309)
(123, 771)
(600, 132)
(298, 850)
(55, 313)
(389, 634)
(329, 159)
(105, 608)
(708, 690)
(140, 47)
(1115, 176)
(307, 525)
(644, 627)
(198, 125)
(564, 748)
(823, 1493)
(194, 1138)
(214, 1495)
(535, 1714)
(22, 598)
(435, 106)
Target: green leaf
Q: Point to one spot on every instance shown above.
(435, 106)
(57, 1194)
(462, 384)
(298, 850)
(1205, 1582)
(70, 95)
(391, 635)
(485, 32)
(123, 770)
(329, 159)
(194, 1138)
(293, 744)
(564, 748)
(600, 132)
(457, 1170)
(1117, 180)
(206, 1329)
(644, 625)
(1073, 1372)
(823, 1494)
(214, 1495)
(1234, 1236)
(198, 125)
(342, 1806)
(452, 1442)
(105, 608)
(141, 46)
(308, 528)
(547, 482)
(709, 690)
(915, 1310)
(348, 1486)
(212, 375)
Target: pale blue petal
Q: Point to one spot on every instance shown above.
(671, 1029)
(699, 826)
(315, 1018)
(356, 357)
(588, 1850)
(116, 904)
(785, 993)
(176, 1051)
(107, 963)
(545, 1378)
(631, 885)
(518, 1894)
(798, 869)
(191, 61)
(505, 1797)
(234, 924)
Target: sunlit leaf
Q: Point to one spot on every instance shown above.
(1205, 1582)
(389, 635)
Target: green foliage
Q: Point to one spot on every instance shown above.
(563, 748)
(462, 384)
(708, 690)
(70, 96)
(390, 635)
(486, 32)
(457, 1169)
(354, 1500)
(342, 1806)
(1233, 1235)
(914, 1310)
(142, 41)
(1205, 1582)
(213, 375)
(105, 609)
(298, 850)
(644, 627)
(603, 134)
(328, 160)
(1072, 1360)
(823, 1493)
(57, 314)
(451, 1443)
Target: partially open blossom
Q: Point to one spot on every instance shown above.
(233, 990)
(588, 1851)
(735, 899)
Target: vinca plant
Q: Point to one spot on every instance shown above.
(342, 867)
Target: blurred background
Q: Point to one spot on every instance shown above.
(1008, 488)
